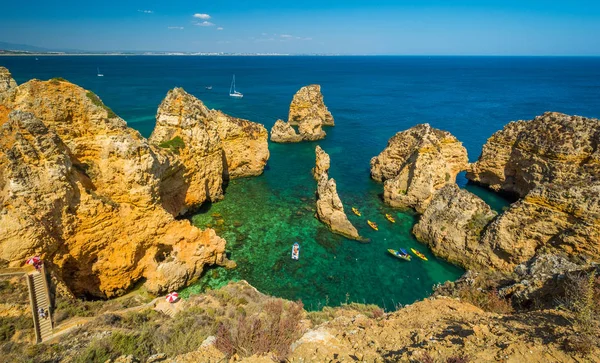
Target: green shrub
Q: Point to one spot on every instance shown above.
(175, 144)
(98, 102)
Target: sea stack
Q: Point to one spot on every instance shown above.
(309, 113)
(553, 163)
(416, 163)
(330, 209)
(85, 192)
(213, 146)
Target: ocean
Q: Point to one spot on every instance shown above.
(371, 98)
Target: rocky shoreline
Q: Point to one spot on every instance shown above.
(99, 203)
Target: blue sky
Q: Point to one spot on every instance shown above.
(509, 27)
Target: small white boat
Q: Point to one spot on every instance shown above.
(295, 251)
(208, 87)
(232, 91)
(99, 74)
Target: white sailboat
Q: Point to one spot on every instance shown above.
(99, 74)
(232, 91)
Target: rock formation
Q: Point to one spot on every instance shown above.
(552, 162)
(308, 113)
(330, 209)
(213, 146)
(452, 226)
(86, 193)
(308, 104)
(283, 132)
(6, 80)
(416, 163)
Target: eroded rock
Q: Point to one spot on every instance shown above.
(330, 209)
(308, 104)
(6, 80)
(452, 226)
(416, 163)
(283, 132)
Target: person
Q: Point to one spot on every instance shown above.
(41, 313)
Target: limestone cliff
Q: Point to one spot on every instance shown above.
(85, 192)
(452, 226)
(330, 209)
(416, 163)
(553, 164)
(308, 104)
(283, 132)
(551, 148)
(6, 80)
(211, 145)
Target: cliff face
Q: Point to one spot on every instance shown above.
(330, 209)
(309, 113)
(210, 144)
(85, 192)
(452, 226)
(308, 104)
(6, 80)
(416, 163)
(553, 163)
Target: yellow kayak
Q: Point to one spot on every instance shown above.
(355, 211)
(373, 225)
(419, 254)
(390, 218)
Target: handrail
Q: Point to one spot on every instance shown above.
(34, 313)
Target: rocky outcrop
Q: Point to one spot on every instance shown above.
(452, 226)
(6, 80)
(416, 163)
(85, 192)
(330, 209)
(551, 148)
(308, 113)
(283, 132)
(553, 164)
(308, 105)
(211, 145)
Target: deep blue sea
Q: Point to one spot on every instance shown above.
(371, 98)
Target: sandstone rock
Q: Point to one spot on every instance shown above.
(330, 209)
(284, 132)
(452, 226)
(6, 80)
(550, 148)
(553, 163)
(85, 192)
(308, 104)
(416, 163)
(211, 145)
(310, 130)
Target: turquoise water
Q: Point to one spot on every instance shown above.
(371, 98)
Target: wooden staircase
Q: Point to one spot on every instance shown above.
(39, 297)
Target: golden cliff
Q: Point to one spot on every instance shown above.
(330, 209)
(553, 163)
(6, 80)
(92, 196)
(212, 146)
(416, 163)
(309, 113)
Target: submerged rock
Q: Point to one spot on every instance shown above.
(330, 209)
(553, 164)
(6, 80)
(452, 226)
(308, 105)
(416, 163)
(283, 132)
(85, 192)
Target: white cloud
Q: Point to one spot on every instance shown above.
(205, 23)
(145, 11)
(306, 38)
(175, 27)
(285, 36)
(202, 16)
(220, 28)
(263, 34)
